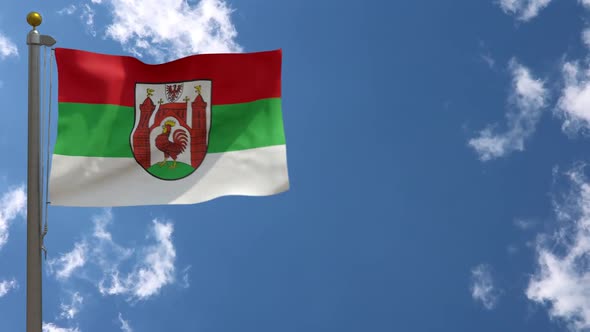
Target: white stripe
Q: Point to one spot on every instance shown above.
(94, 181)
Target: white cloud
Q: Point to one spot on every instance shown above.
(157, 269)
(50, 327)
(106, 252)
(87, 18)
(487, 58)
(526, 102)
(7, 47)
(562, 280)
(574, 102)
(482, 286)
(512, 249)
(125, 327)
(100, 226)
(486, 55)
(153, 269)
(66, 264)
(523, 9)
(116, 286)
(87, 14)
(69, 311)
(524, 224)
(100, 250)
(185, 279)
(12, 204)
(149, 275)
(7, 285)
(69, 10)
(586, 37)
(166, 29)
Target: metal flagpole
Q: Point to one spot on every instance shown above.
(34, 307)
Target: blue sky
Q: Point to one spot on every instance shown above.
(437, 157)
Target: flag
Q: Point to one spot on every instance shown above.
(181, 132)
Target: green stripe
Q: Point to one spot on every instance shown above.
(246, 126)
(95, 130)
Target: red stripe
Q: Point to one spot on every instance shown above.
(93, 78)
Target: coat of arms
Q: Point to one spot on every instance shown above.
(169, 138)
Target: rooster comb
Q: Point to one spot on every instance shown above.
(170, 123)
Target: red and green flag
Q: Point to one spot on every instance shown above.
(181, 132)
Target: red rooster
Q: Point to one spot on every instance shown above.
(171, 148)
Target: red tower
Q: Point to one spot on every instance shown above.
(199, 131)
(141, 136)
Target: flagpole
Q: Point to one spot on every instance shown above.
(34, 290)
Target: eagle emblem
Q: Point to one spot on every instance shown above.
(173, 91)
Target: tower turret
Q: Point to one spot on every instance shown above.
(199, 129)
(141, 136)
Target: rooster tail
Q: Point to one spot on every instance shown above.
(180, 138)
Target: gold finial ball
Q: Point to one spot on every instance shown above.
(34, 19)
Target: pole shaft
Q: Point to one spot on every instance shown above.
(34, 289)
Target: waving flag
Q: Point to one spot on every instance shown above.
(182, 132)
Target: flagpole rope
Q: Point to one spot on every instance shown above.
(51, 57)
(41, 137)
(47, 125)
(42, 127)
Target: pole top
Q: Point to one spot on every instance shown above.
(34, 19)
